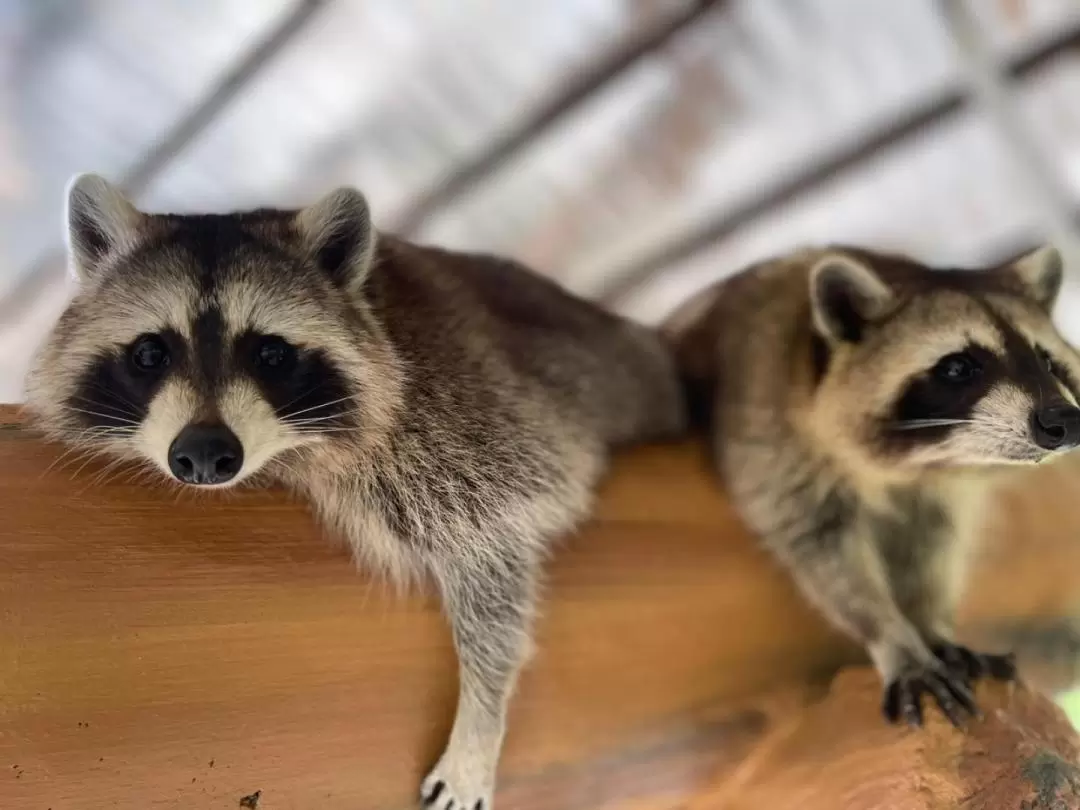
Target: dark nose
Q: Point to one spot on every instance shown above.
(206, 454)
(1057, 427)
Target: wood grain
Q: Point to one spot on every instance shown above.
(170, 651)
(1021, 756)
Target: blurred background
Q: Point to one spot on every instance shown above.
(632, 149)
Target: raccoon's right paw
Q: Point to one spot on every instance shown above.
(903, 695)
(448, 789)
(974, 666)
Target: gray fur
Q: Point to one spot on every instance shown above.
(482, 404)
(804, 363)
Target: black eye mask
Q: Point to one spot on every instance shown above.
(942, 398)
(116, 388)
(302, 386)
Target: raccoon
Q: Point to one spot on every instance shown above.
(856, 403)
(449, 414)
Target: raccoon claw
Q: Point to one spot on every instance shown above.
(439, 793)
(1001, 667)
(973, 666)
(903, 696)
(429, 794)
(960, 661)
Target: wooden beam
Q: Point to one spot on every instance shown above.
(580, 89)
(827, 758)
(623, 281)
(161, 648)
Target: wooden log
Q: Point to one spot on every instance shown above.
(826, 754)
(166, 650)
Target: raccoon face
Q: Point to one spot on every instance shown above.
(934, 367)
(214, 345)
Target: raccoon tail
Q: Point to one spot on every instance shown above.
(1047, 649)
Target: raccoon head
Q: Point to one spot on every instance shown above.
(213, 345)
(922, 367)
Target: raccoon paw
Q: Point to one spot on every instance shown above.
(973, 666)
(903, 695)
(447, 788)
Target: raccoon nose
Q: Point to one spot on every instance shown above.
(1057, 427)
(206, 454)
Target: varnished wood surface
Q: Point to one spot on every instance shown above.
(169, 651)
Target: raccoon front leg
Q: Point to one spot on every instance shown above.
(841, 571)
(489, 604)
(928, 584)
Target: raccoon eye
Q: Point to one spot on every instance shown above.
(957, 368)
(274, 353)
(149, 353)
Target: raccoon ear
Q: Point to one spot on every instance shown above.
(100, 222)
(1040, 274)
(339, 236)
(845, 295)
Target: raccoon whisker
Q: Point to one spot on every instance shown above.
(81, 444)
(111, 395)
(322, 420)
(133, 473)
(87, 438)
(917, 424)
(94, 453)
(291, 418)
(114, 395)
(99, 404)
(92, 442)
(109, 473)
(297, 398)
(312, 420)
(145, 473)
(321, 431)
(281, 466)
(110, 477)
(115, 417)
(72, 456)
(86, 459)
(1039, 400)
(337, 415)
(315, 407)
(90, 434)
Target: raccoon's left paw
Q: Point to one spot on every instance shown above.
(450, 788)
(972, 665)
(904, 694)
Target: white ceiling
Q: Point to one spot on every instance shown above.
(394, 95)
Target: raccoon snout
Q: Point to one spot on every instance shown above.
(1056, 427)
(205, 454)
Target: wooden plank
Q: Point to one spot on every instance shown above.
(166, 650)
